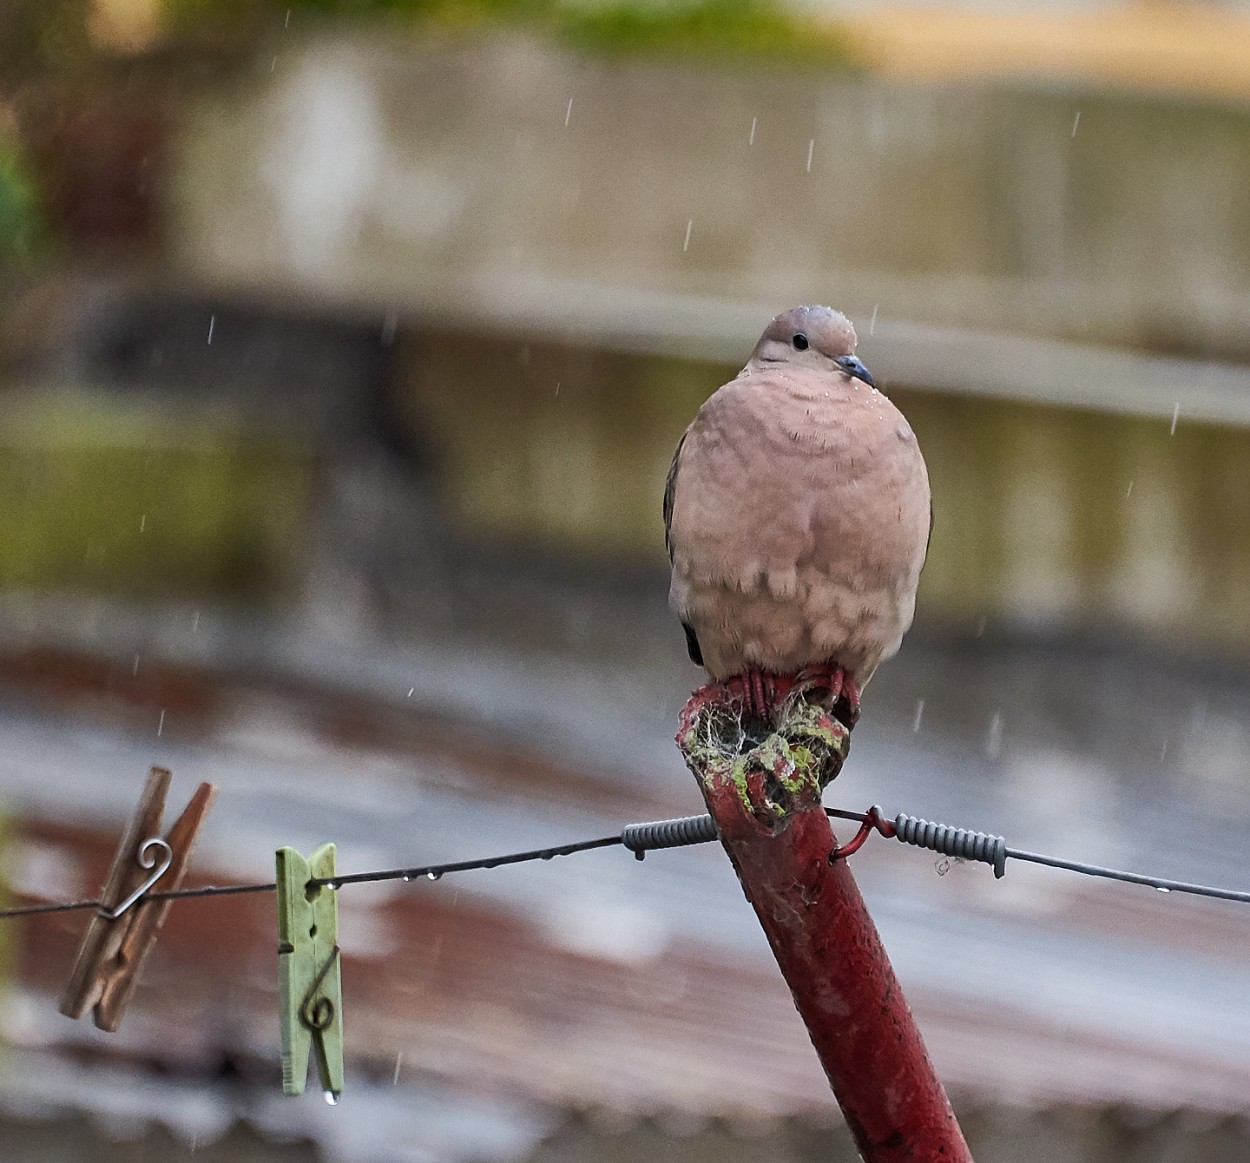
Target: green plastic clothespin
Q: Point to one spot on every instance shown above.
(310, 986)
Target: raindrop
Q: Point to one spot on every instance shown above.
(1163, 751)
(273, 64)
(568, 112)
(1129, 491)
(994, 740)
(872, 325)
(751, 139)
(390, 321)
(332, 1097)
(1075, 122)
(195, 622)
(689, 226)
(811, 147)
(143, 523)
(434, 875)
(410, 690)
(919, 716)
(399, 1061)
(135, 669)
(212, 322)
(160, 726)
(1176, 411)
(287, 23)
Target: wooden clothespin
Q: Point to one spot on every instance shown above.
(123, 931)
(310, 985)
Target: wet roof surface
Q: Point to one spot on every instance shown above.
(596, 980)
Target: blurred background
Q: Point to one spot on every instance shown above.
(343, 348)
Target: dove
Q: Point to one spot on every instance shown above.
(797, 517)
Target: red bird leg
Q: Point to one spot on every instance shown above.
(757, 700)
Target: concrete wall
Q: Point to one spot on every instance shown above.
(511, 180)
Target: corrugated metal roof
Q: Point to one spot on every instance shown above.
(595, 981)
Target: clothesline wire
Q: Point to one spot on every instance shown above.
(429, 871)
(957, 843)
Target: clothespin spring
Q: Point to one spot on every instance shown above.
(145, 858)
(317, 1013)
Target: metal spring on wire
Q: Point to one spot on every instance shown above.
(956, 842)
(638, 838)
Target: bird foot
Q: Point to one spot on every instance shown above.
(764, 697)
(839, 686)
(760, 693)
(755, 697)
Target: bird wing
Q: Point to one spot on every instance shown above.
(670, 492)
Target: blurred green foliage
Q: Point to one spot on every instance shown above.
(716, 28)
(711, 29)
(21, 221)
(100, 496)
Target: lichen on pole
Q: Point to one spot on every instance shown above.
(762, 787)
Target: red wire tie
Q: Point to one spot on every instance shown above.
(872, 821)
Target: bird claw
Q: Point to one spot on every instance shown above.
(760, 693)
(755, 696)
(766, 698)
(842, 692)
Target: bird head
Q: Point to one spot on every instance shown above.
(812, 337)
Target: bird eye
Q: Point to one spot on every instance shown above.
(800, 341)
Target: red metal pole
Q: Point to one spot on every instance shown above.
(839, 975)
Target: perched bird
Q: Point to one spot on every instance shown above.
(797, 517)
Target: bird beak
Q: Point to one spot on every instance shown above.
(853, 368)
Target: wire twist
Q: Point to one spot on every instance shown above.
(961, 843)
(639, 838)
